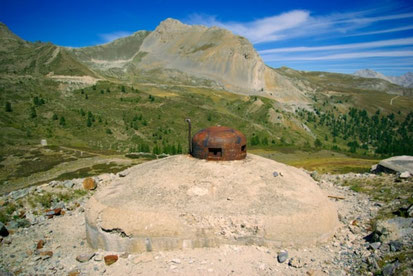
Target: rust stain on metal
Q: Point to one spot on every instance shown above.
(219, 143)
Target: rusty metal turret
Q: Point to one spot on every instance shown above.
(218, 143)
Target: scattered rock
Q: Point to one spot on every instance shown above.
(98, 258)
(123, 174)
(19, 194)
(89, 184)
(375, 245)
(315, 175)
(68, 184)
(275, 174)
(405, 175)
(3, 230)
(46, 254)
(74, 272)
(176, 261)
(19, 223)
(111, 259)
(296, 262)
(84, 257)
(410, 211)
(282, 256)
(394, 228)
(55, 212)
(389, 269)
(5, 273)
(395, 246)
(40, 244)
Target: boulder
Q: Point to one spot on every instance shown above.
(89, 184)
(396, 164)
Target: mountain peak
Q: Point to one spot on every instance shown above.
(369, 73)
(171, 25)
(405, 80)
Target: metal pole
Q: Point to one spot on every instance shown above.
(189, 136)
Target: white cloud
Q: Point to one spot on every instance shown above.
(350, 46)
(261, 30)
(297, 23)
(367, 54)
(406, 28)
(115, 35)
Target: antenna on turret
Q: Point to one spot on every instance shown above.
(189, 136)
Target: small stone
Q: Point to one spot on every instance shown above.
(296, 262)
(98, 258)
(395, 246)
(46, 254)
(73, 272)
(405, 175)
(3, 230)
(84, 257)
(375, 245)
(54, 212)
(68, 184)
(410, 211)
(40, 244)
(89, 184)
(282, 256)
(176, 261)
(123, 174)
(111, 259)
(275, 174)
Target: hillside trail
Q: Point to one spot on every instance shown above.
(391, 100)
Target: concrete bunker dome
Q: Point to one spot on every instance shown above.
(185, 202)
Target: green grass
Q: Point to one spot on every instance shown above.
(154, 115)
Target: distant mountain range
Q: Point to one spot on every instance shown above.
(405, 80)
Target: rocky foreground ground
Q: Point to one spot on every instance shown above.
(44, 234)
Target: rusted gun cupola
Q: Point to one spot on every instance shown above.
(217, 143)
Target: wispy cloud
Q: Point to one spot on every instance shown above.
(115, 35)
(261, 30)
(354, 55)
(406, 28)
(297, 23)
(349, 46)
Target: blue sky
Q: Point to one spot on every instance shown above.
(335, 36)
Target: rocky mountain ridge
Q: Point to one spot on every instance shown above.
(405, 80)
(173, 54)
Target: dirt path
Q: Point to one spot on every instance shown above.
(391, 100)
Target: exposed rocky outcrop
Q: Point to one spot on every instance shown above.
(405, 80)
